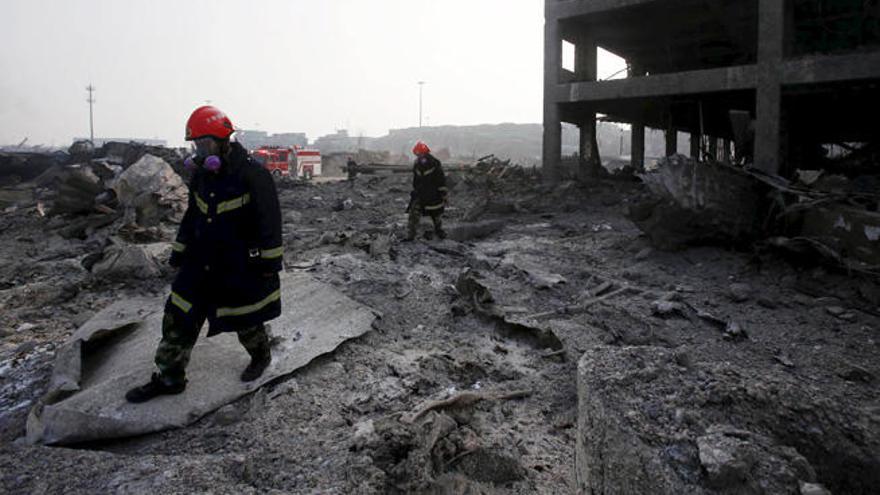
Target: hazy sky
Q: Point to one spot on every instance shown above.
(310, 66)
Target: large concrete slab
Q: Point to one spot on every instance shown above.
(113, 352)
(562, 9)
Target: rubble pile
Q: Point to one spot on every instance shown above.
(546, 346)
(829, 215)
(693, 202)
(821, 214)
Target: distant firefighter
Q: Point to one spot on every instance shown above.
(351, 167)
(429, 195)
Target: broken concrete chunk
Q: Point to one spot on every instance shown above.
(77, 191)
(151, 191)
(726, 459)
(835, 310)
(491, 467)
(463, 232)
(870, 292)
(293, 216)
(380, 246)
(698, 202)
(741, 461)
(665, 308)
(854, 373)
(644, 254)
(740, 292)
(124, 261)
(735, 332)
(344, 205)
(813, 489)
(539, 277)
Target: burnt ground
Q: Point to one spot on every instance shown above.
(566, 276)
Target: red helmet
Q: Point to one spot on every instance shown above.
(421, 149)
(208, 121)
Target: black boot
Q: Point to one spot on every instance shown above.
(438, 227)
(154, 388)
(256, 368)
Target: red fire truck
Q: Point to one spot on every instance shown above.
(296, 162)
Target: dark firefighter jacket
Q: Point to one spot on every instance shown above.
(229, 247)
(429, 185)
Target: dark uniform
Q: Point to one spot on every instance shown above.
(352, 168)
(229, 252)
(428, 196)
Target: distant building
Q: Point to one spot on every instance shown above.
(341, 142)
(254, 139)
(98, 142)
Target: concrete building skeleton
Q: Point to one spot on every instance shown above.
(802, 72)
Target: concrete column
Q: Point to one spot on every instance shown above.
(696, 145)
(713, 148)
(637, 148)
(552, 141)
(727, 153)
(588, 166)
(671, 141)
(586, 62)
(586, 67)
(771, 33)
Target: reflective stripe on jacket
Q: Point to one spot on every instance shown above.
(429, 184)
(229, 247)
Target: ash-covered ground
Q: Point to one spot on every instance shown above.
(716, 370)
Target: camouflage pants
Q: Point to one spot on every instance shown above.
(415, 216)
(179, 336)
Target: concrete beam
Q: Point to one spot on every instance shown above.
(680, 83)
(563, 9)
(831, 68)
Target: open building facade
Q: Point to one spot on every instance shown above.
(773, 79)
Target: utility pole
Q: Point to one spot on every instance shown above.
(91, 100)
(421, 86)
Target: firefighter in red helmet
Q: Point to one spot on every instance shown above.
(429, 195)
(228, 251)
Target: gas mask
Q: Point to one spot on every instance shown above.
(207, 151)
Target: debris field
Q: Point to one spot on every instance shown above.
(548, 345)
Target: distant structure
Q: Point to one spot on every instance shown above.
(98, 142)
(254, 139)
(781, 78)
(339, 142)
